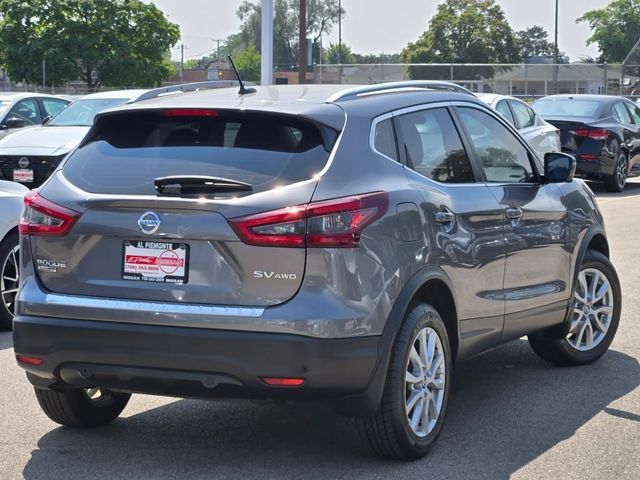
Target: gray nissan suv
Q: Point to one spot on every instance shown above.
(305, 242)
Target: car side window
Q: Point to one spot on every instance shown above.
(525, 118)
(635, 112)
(621, 113)
(433, 146)
(502, 156)
(503, 109)
(53, 106)
(26, 110)
(385, 139)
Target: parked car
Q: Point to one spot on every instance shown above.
(305, 243)
(18, 110)
(31, 155)
(11, 202)
(542, 136)
(601, 131)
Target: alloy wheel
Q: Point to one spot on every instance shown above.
(10, 279)
(425, 380)
(592, 311)
(621, 171)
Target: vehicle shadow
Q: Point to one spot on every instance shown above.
(6, 340)
(507, 409)
(631, 189)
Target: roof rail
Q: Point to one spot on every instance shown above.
(397, 86)
(185, 87)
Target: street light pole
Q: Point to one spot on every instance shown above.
(339, 31)
(557, 55)
(266, 49)
(302, 44)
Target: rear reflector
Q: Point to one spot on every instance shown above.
(596, 134)
(283, 382)
(28, 360)
(190, 112)
(44, 218)
(332, 223)
(587, 157)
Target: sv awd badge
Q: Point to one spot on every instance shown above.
(274, 275)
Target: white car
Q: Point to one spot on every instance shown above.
(11, 201)
(541, 135)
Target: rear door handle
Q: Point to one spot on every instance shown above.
(514, 213)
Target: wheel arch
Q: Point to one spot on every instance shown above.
(9, 233)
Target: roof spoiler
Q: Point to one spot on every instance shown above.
(185, 87)
(397, 87)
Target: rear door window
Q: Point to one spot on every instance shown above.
(525, 117)
(433, 146)
(125, 153)
(503, 109)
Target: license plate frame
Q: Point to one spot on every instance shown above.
(163, 262)
(23, 175)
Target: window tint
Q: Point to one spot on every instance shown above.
(53, 106)
(503, 158)
(385, 139)
(433, 146)
(128, 151)
(524, 116)
(503, 109)
(26, 110)
(621, 113)
(635, 112)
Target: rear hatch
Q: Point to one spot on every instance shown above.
(141, 210)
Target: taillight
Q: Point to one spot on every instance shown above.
(332, 223)
(44, 218)
(596, 134)
(190, 112)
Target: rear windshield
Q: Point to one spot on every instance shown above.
(127, 152)
(567, 108)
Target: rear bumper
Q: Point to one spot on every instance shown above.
(192, 362)
(594, 168)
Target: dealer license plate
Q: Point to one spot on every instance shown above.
(23, 175)
(150, 261)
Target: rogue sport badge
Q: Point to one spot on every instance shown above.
(149, 223)
(23, 162)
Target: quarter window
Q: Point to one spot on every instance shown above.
(524, 116)
(385, 139)
(433, 146)
(621, 113)
(503, 109)
(502, 157)
(635, 112)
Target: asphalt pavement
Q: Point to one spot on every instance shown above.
(511, 416)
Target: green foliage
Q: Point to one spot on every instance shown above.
(463, 31)
(321, 16)
(102, 42)
(615, 28)
(330, 55)
(248, 64)
(534, 41)
(377, 58)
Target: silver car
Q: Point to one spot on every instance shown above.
(541, 135)
(19, 110)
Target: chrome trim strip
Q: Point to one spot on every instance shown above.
(156, 307)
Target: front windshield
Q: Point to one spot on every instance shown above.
(82, 112)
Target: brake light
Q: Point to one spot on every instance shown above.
(44, 218)
(332, 223)
(595, 134)
(190, 112)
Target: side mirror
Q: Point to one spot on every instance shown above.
(559, 167)
(15, 122)
(46, 119)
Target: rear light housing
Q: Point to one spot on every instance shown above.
(43, 218)
(596, 134)
(332, 223)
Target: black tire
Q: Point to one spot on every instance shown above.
(74, 408)
(387, 431)
(6, 248)
(560, 351)
(617, 181)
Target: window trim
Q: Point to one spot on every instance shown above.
(514, 132)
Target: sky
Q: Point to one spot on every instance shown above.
(376, 26)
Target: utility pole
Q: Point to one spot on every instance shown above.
(302, 44)
(181, 62)
(44, 73)
(557, 55)
(266, 46)
(339, 31)
(218, 40)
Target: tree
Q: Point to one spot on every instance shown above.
(616, 28)
(248, 64)
(102, 42)
(534, 41)
(321, 16)
(331, 54)
(463, 31)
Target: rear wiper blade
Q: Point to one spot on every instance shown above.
(200, 184)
